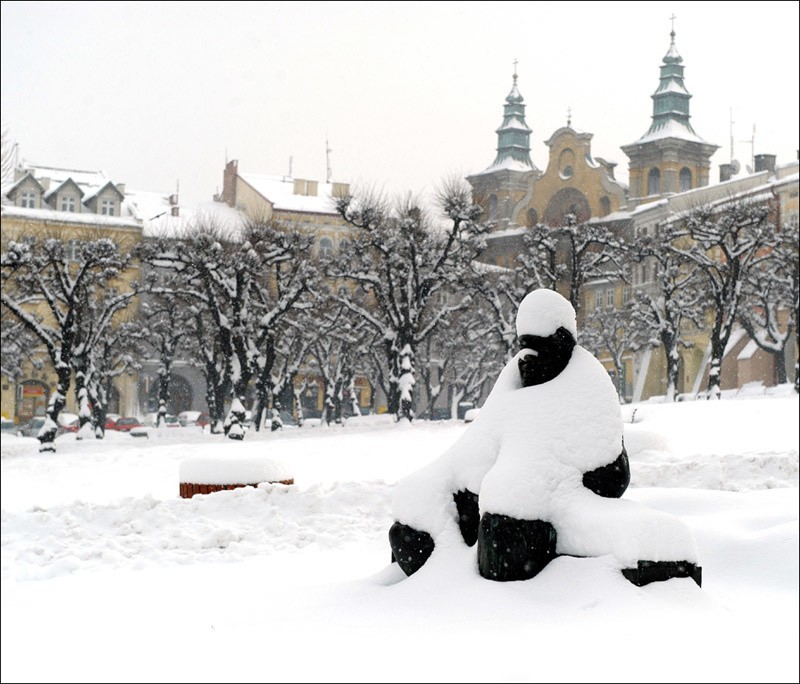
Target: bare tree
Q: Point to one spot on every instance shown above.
(770, 307)
(660, 311)
(408, 266)
(573, 254)
(76, 313)
(725, 244)
(246, 283)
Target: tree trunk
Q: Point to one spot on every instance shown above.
(47, 434)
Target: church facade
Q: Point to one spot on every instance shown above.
(669, 170)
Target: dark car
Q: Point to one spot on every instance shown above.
(126, 424)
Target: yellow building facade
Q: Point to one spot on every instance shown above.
(74, 206)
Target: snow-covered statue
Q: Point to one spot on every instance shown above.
(540, 472)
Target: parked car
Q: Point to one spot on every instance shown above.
(203, 419)
(188, 418)
(8, 425)
(126, 424)
(72, 426)
(32, 427)
(111, 421)
(169, 420)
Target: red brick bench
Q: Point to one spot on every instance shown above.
(209, 474)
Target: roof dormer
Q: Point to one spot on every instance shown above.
(66, 196)
(106, 201)
(26, 192)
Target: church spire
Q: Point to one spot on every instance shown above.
(513, 136)
(670, 157)
(671, 100)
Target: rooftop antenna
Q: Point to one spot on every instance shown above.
(752, 142)
(328, 151)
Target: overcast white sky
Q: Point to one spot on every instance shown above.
(407, 93)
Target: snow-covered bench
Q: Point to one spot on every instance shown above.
(208, 474)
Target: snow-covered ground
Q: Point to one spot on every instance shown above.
(108, 575)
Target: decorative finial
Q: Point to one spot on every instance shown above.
(672, 30)
(515, 70)
(569, 117)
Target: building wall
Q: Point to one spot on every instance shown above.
(570, 171)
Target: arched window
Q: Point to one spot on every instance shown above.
(685, 179)
(325, 248)
(654, 182)
(533, 217)
(492, 207)
(344, 246)
(605, 206)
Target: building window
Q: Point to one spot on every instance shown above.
(71, 250)
(344, 246)
(609, 299)
(605, 206)
(598, 299)
(108, 207)
(533, 217)
(654, 182)
(27, 199)
(626, 294)
(68, 203)
(685, 179)
(325, 248)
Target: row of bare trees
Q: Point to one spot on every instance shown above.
(406, 305)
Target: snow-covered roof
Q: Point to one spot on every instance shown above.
(747, 351)
(216, 214)
(279, 190)
(138, 207)
(671, 128)
(672, 86)
(514, 123)
(507, 164)
(70, 217)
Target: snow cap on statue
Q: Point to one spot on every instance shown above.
(542, 312)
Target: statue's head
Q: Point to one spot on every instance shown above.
(547, 330)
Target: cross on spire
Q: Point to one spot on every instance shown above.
(515, 69)
(672, 30)
(569, 117)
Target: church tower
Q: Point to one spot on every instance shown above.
(501, 186)
(670, 157)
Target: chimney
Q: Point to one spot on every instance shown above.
(45, 183)
(725, 172)
(121, 188)
(229, 182)
(765, 162)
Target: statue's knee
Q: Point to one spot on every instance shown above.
(511, 549)
(410, 547)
